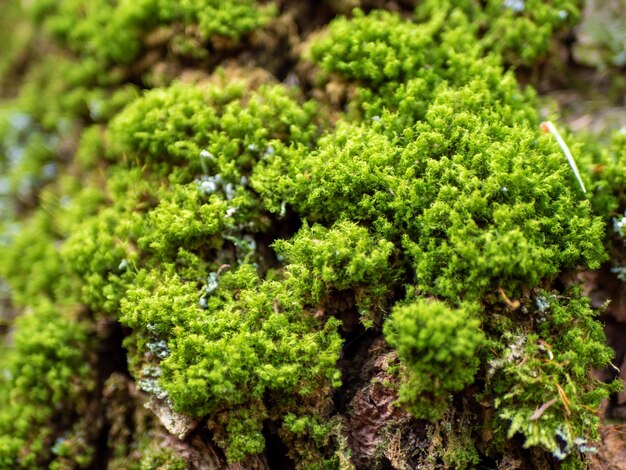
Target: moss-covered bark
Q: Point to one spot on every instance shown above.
(288, 235)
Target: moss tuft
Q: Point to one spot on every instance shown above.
(439, 348)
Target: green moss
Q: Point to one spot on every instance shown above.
(212, 341)
(439, 348)
(222, 225)
(91, 148)
(46, 376)
(377, 54)
(115, 32)
(451, 442)
(27, 153)
(472, 211)
(422, 56)
(250, 340)
(520, 30)
(343, 257)
(38, 245)
(540, 379)
(211, 130)
(308, 434)
(463, 188)
(604, 159)
(58, 91)
(156, 458)
(16, 33)
(100, 259)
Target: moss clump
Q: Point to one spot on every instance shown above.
(218, 341)
(519, 30)
(541, 378)
(439, 347)
(247, 341)
(46, 376)
(114, 33)
(377, 55)
(605, 159)
(462, 191)
(211, 131)
(345, 257)
(227, 335)
(474, 194)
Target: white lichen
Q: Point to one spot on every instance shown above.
(514, 5)
(212, 283)
(159, 348)
(620, 271)
(618, 225)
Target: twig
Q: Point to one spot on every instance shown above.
(514, 305)
(539, 411)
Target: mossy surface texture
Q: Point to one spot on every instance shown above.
(235, 224)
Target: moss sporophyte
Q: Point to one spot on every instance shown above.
(247, 239)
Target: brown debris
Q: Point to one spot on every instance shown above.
(373, 414)
(540, 410)
(612, 452)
